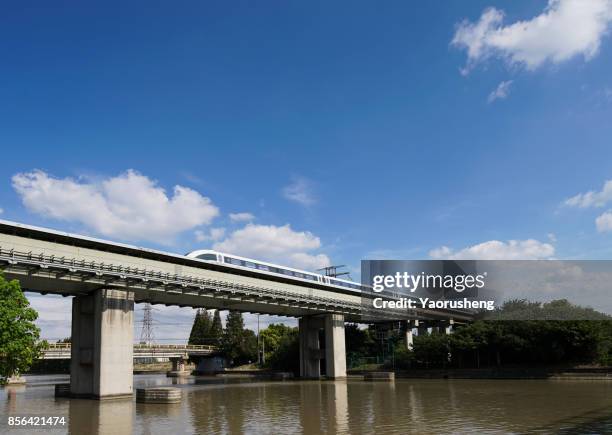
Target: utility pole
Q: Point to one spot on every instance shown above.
(332, 271)
(146, 335)
(258, 354)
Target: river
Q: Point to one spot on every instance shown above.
(216, 405)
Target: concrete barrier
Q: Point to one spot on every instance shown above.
(158, 395)
(379, 376)
(281, 376)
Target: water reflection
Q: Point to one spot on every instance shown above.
(108, 417)
(226, 406)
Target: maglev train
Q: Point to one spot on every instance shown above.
(210, 256)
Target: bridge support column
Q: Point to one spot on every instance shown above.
(421, 327)
(310, 349)
(178, 368)
(102, 363)
(311, 352)
(447, 327)
(408, 335)
(335, 350)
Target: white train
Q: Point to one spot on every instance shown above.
(210, 256)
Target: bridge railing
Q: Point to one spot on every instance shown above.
(58, 346)
(140, 346)
(175, 347)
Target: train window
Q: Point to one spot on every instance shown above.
(228, 260)
(249, 264)
(208, 257)
(263, 267)
(298, 274)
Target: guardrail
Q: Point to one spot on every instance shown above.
(63, 350)
(139, 346)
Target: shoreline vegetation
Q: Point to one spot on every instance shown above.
(483, 349)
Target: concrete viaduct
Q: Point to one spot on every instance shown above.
(107, 278)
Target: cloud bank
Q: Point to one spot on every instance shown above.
(564, 30)
(129, 206)
(529, 249)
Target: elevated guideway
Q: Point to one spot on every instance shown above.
(107, 278)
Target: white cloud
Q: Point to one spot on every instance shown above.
(604, 222)
(592, 198)
(241, 217)
(300, 191)
(278, 244)
(565, 29)
(129, 206)
(501, 92)
(529, 249)
(213, 235)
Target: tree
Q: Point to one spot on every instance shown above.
(239, 345)
(19, 345)
(432, 349)
(200, 331)
(286, 356)
(272, 336)
(216, 329)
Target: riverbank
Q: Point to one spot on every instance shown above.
(558, 373)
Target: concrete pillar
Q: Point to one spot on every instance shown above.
(311, 352)
(178, 368)
(421, 327)
(101, 363)
(408, 338)
(335, 350)
(448, 329)
(178, 364)
(310, 349)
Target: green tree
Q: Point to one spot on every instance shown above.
(432, 349)
(286, 356)
(200, 331)
(216, 329)
(239, 345)
(271, 337)
(19, 345)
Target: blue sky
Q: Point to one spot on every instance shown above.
(373, 130)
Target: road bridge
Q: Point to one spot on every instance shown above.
(64, 351)
(107, 278)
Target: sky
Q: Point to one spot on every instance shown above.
(310, 133)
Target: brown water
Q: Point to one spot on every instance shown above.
(354, 406)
